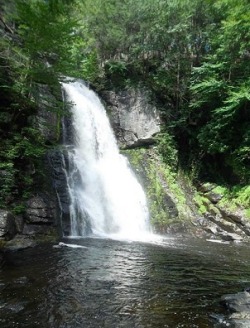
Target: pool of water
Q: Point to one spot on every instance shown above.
(109, 283)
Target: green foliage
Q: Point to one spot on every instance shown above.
(19, 209)
(89, 67)
(194, 56)
(7, 181)
(160, 183)
(37, 46)
(220, 190)
(47, 36)
(201, 203)
(167, 149)
(21, 156)
(220, 94)
(241, 195)
(234, 197)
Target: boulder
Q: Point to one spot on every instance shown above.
(239, 302)
(19, 243)
(214, 197)
(7, 225)
(238, 215)
(135, 121)
(206, 187)
(238, 306)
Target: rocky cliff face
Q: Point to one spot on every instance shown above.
(47, 119)
(39, 217)
(134, 119)
(38, 221)
(178, 207)
(171, 210)
(174, 203)
(57, 163)
(136, 122)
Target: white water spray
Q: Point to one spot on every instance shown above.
(106, 197)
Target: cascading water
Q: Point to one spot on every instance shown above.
(106, 198)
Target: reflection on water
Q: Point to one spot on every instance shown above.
(170, 283)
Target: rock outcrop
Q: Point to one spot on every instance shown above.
(171, 211)
(238, 308)
(58, 161)
(40, 211)
(134, 119)
(217, 219)
(37, 222)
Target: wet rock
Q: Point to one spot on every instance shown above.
(239, 302)
(238, 306)
(15, 307)
(230, 237)
(238, 215)
(58, 160)
(178, 228)
(135, 121)
(212, 229)
(221, 229)
(225, 225)
(7, 225)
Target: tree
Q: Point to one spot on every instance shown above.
(221, 92)
(36, 47)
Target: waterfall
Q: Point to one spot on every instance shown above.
(105, 196)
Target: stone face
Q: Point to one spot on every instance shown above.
(7, 225)
(135, 121)
(57, 161)
(170, 207)
(39, 211)
(46, 119)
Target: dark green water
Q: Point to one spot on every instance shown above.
(173, 283)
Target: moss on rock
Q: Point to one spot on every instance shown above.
(166, 197)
